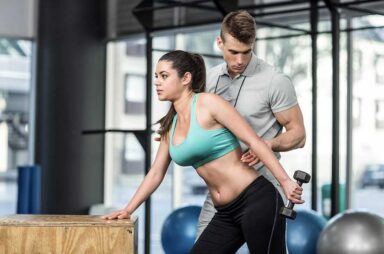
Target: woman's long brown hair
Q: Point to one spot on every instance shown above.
(183, 62)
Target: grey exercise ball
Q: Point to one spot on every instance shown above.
(353, 232)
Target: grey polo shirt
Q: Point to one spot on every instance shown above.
(257, 93)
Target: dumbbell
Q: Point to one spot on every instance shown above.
(301, 177)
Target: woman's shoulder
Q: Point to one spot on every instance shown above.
(209, 97)
(210, 100)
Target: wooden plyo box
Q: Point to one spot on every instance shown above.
(64, 234)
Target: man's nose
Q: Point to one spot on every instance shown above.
(239, 59)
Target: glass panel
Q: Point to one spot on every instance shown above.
(15, 92)
(202, 42)
(324, 120)
(290, 56)
(126, 85)
(368, 136)
(124, 166)
(125, 110)
(379, 67)
(135, 90)
(379, 114)
(164, 43)
(162, 203)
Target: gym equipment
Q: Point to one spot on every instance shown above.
(326, 199)
(304, 231)
(67, 234)
(301, 177)
(179, 230)
(29, 190)
(353, 232)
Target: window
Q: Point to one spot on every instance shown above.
(379, 114)
(368, 118)
(133, 159)
(356, 112)
(134, 94)
(135, 47)
(379, 67)
(357, 64)
(15, 110)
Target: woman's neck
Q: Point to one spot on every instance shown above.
(182, 104)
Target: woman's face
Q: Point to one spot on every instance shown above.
(167, 82)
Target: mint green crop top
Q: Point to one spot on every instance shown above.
(200, 146)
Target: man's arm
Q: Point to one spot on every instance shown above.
(294, 135)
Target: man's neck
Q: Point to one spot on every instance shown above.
(233, 75)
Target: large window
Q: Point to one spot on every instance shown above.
(125, 110)
(292, 55)
(367, 160)
(379, 67)
(15, 111)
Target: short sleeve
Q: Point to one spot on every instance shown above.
(282, 95)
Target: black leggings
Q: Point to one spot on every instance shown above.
(253, 217)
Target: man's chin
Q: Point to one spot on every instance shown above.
(238, 70)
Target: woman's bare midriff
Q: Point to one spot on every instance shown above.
(227, 177)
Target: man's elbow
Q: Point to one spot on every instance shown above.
(302, 140)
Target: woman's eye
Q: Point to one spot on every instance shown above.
(164, 76)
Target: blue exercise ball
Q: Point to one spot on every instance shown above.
(353, 232)
(179, 230)
(303, 232)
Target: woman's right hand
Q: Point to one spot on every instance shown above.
(293, 191)
(120, 214)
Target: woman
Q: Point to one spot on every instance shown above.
(200, 130)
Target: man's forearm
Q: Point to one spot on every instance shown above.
(287, 141)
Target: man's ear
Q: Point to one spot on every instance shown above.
(187, 78)
(219, 42)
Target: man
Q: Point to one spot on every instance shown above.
(264, 97)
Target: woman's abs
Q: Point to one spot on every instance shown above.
(227, 177)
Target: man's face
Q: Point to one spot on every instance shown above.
(236, 54)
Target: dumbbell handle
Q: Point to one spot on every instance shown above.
(290, 204)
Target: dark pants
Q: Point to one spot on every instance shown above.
(253, 217)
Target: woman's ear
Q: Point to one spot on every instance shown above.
(187, 78)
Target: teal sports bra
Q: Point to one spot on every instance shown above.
(200, 146)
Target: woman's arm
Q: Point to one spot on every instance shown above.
(150, 183)
(225, 114)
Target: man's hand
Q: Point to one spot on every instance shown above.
(250, 158)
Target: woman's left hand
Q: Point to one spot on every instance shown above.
(250, 157)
